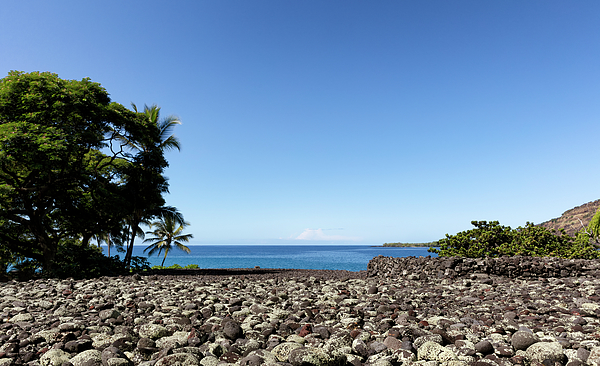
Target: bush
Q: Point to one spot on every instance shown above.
(79, 261)
(490, 239)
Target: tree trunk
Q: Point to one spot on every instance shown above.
(49, 253)
(134, 229)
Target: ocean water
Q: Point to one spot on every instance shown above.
(338, 257)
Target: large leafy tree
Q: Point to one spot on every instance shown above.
(167, 234)
(65, 171)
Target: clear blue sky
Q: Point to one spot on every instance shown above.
(344, 121)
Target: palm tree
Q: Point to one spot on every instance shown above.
(167, 233)
(167, 141)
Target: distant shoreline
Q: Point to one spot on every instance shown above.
(407, 245)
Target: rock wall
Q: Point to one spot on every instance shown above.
(451, 267)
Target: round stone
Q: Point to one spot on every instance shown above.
(521, 340)
(232, 330)
(484, 347)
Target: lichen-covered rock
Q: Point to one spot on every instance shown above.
(547, 353)
(404, 356)
(436, 338)
(54, 357)
(282, 351)
(90, 357)
(179, 359)
(339, 343)
(209, 361)
(315, 357)
(432, 351)
(153, 331)
(178, 339)
(593, 358)
(25, 317)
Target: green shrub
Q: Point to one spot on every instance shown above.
(78, 261)
(177, 266)
(490, 239)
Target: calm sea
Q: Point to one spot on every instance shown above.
(339, 257)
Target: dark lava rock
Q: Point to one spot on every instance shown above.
(230, 357)
(253, 360)
(113, 352)
(232, 329)
(484, 347)
(78, 346)
(146, 345)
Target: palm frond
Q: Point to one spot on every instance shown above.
(183, 247)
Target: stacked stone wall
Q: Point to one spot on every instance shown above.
(451, 267)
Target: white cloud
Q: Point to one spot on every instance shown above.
(319, 235)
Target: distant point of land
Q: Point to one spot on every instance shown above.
(407, 245)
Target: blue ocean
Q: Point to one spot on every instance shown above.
(337, 257)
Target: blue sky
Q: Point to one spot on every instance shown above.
(344, 121)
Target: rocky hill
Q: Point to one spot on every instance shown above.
(572, 219)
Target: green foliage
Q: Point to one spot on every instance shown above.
(177, 266)
(83, 261)
(79, 261)
(594, 228)
(590, 237)
(68, 172)
(490, 239)
(137, 264)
